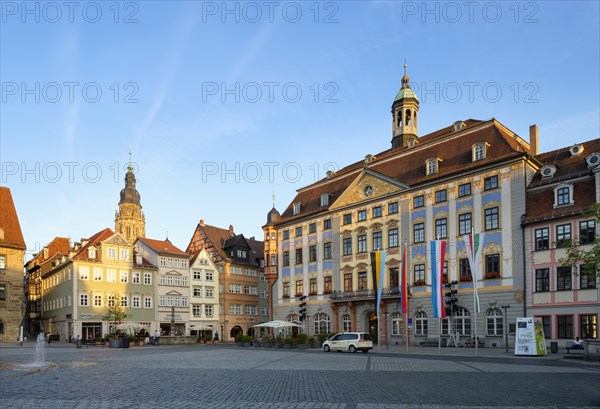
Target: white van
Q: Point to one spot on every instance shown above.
(349, 341)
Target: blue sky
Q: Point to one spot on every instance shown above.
(223, 104)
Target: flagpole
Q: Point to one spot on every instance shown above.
(439, 335)
(475, 293)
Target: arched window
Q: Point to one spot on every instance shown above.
(408, 117)
(462, 321)
(322, 323)
(293, 318)
(421, 324)
(494, 322)
(1, 327)
(397, 323)
(346, 323)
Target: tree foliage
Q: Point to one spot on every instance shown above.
(114, 310)
(589, 256)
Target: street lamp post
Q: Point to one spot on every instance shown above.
(505, 307)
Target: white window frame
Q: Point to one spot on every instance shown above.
(479, 151)
(431, 166)
(560, 187)
(297, 208)
(208, 310)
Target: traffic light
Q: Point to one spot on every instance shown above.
(302, 310)
(451, 299)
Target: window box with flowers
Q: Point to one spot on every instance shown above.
(312, 293)
(419, 282)
(466, 278)
(492, 274)
(285, 296)
(298, 295)
(327, 291)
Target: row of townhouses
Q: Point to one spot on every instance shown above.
(313, 267)
(213, 289)
(472, 176)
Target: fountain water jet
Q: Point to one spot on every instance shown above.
(40, 350)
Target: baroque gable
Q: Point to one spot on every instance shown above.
(368, 185)
(117, 240)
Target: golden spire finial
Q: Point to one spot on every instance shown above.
(130, 166)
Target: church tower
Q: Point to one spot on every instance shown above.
(129, 219)
(404, 113)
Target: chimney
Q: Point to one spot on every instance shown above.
(201, 222)
(534, 139)
(231, 230)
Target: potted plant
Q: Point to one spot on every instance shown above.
(419, 282)
(321, 337)
(113, 341)
(267, 342)
(492, 274)
(302, 340)
(289, 341)
(285, 296)
(278, 342)
(239, 338)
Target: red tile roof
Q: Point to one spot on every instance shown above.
(97, 238)
(569, 169)
(162, 246)
(213, 237)
(9, 222)
(407, 165)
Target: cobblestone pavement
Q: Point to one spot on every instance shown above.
(227, 376)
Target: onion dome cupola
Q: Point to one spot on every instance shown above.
(273, 217)
(130, 221)
(404, 114)
(130, 194)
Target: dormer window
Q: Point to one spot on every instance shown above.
(563, 195)
(91, 253)
(458, 125)
(325, 199)
(479, 150)
(138, 259)
(431, 165)
(547, 171)
(297, 207)
(593, 160)
(576, 150)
